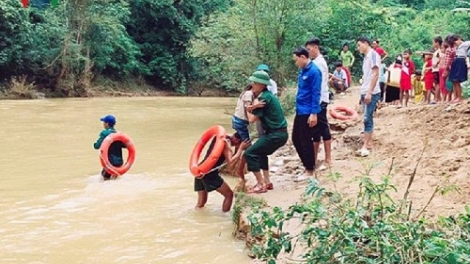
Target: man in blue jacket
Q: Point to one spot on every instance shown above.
(307, 106)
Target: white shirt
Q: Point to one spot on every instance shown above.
(321, 64)
(371, 60)
(438, 55)
(273, 87)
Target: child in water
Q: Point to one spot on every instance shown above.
(115, 149)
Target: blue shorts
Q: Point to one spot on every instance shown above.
(241, 127)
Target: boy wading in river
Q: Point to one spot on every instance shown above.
(212, 180)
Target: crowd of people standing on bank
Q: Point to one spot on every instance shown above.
(445, 67)
(257, 104)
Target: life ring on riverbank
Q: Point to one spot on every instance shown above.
(198, 170)
(107, 166)
(337, 112)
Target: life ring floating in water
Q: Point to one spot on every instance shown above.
(198, 170)
(107, 166)
(337, 112)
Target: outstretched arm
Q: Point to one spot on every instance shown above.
(230, 157)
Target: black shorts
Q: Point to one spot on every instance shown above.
(392, 94)
(209, 183)
(436, 77)
(322, 129)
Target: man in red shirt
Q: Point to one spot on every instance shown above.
(375, 45)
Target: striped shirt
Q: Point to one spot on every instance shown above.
(449, 57)
(371, 60)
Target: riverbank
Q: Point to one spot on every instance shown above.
(429, 138)
(20, 89)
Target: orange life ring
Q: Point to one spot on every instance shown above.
(337, 112)
(107, 166)
(198, 170)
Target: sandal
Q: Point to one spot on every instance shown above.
(270, 186)
(257, 189)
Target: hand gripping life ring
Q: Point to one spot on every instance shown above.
(107, 166)
(198, 170)
(337, 112)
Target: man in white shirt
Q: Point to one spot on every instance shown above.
(370, 91)
(322, 129)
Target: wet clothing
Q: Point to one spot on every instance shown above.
(212, 180)
(114, 151)
(275, 126)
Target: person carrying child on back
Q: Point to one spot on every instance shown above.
(115, 149)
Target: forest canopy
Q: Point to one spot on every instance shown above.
(192, 46)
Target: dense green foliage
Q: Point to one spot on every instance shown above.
(372, 228)
(191, 46)
(251, 32)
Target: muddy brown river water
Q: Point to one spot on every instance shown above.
(55, 209)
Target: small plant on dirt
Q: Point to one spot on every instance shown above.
(21, 88)
(372, 228)
(245, 202)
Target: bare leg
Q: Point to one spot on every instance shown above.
(201, 199)
(437, 94)
(428, 97)
(316, 149)
(407, 97)
(228, 196)
(367, 140)
(267, 178)
(241, 169)
(259, 178)
(401, 97)
(327, 145)
(458, 91)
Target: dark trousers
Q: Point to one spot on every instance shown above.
(105, 174)
(322, 129)
(257, 154)
(302, 137)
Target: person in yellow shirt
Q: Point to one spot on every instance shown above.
(418, 87)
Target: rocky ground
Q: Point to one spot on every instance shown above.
(401, 135)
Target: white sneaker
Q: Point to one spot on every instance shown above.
(363, 152)
(322, 168)
(342, 94)
(301, 178)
